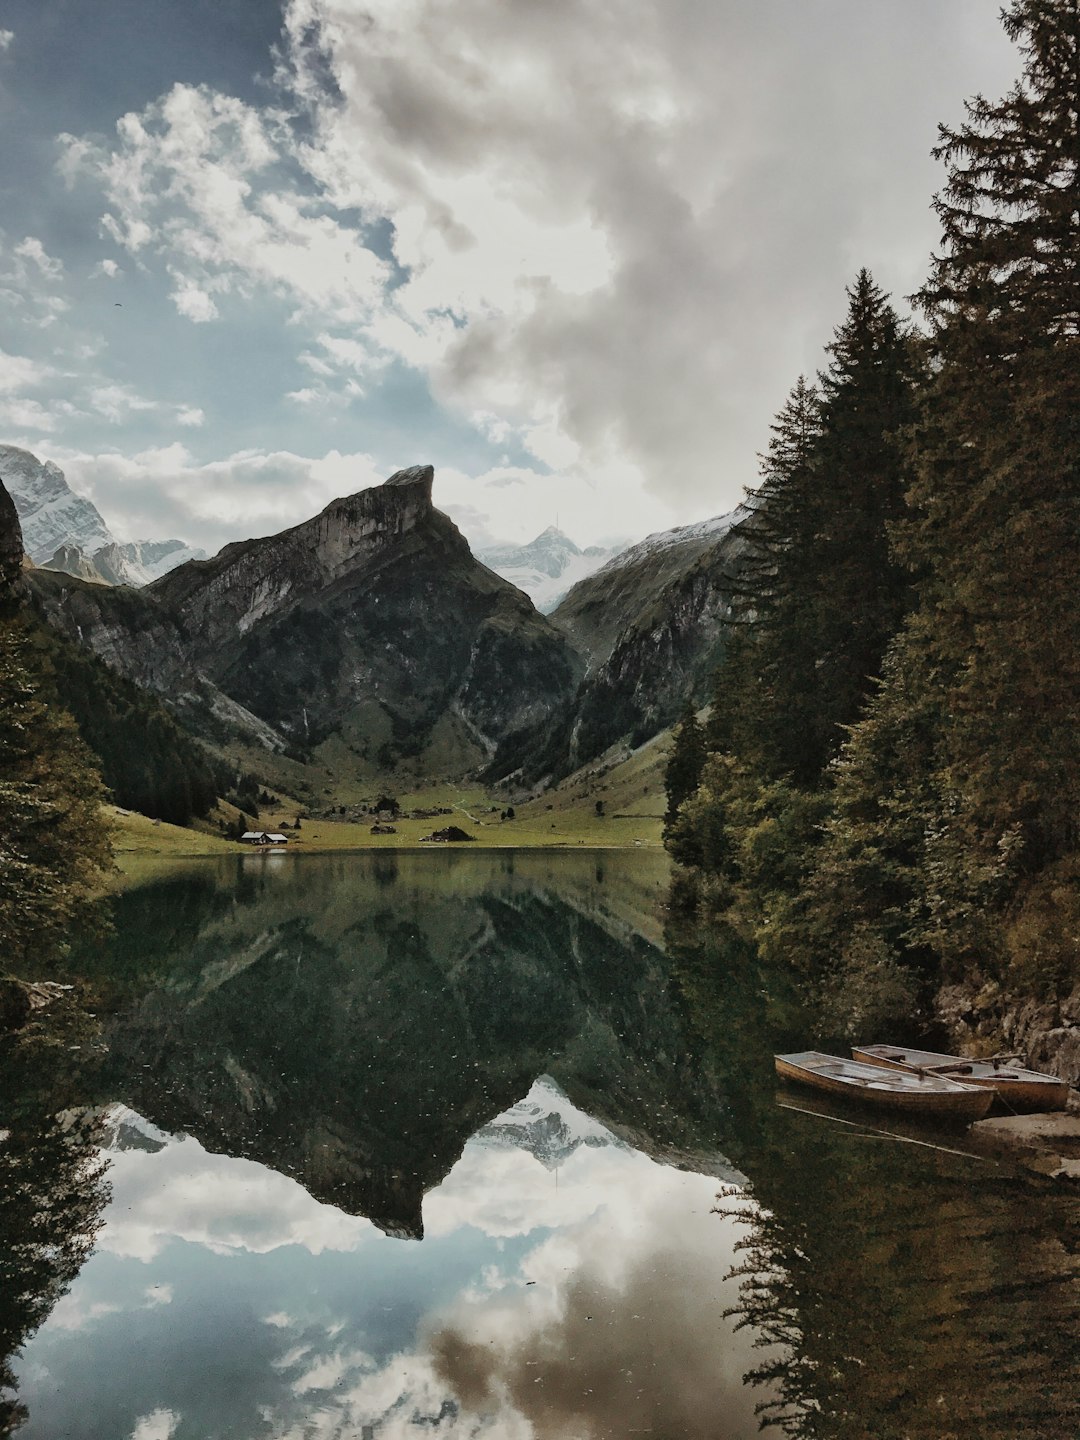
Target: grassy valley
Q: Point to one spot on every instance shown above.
(627, 786)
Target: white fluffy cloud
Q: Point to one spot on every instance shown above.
(167, 490)
(19, 372)
(619, 231)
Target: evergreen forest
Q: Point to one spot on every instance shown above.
(885, 792)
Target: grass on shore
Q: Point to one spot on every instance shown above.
(628, 787)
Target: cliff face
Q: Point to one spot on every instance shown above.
(11, 552)
(651, 625)
(371, 623)
(51, 513)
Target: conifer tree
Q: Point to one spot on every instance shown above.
(822, 595)
(683, 773)
(53, 844)
(961, 788)
(997, 491)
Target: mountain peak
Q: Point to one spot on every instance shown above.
(50, 512)
(413, 475)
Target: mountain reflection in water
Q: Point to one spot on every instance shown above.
(432, 1144)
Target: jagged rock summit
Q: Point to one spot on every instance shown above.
(370, 628)
(50, 512)
(65, 531)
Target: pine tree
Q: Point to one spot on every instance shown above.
(683, 773)
(958, 794)
(822, 595)
(53, 844)
(997, 491)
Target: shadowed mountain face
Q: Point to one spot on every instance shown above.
(11, 551)
(372, 623)
(651, 626)
(349, 1027)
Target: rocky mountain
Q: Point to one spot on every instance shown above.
(11, 552)
(546, 567)
(65, 531)
(52, 515)
(371, 627)
(649, 624)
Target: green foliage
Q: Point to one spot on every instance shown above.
(148, 763)
(821, 595)
(683, 771)
(894, 788)
(53, 844)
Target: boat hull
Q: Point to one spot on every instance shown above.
(1018, 1088)
(930, 1097)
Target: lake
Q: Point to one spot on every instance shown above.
(454, 1144)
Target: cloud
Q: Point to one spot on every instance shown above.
(158, 1425)
(165, 490)
(190, 416)
(22, 413)
(116, 403)
(19, 372)
(608, 237)
(6, 39)
(31, 249)
(209, 183)
(109, 268)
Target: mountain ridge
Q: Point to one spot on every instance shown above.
(65, 531)
(371, 624)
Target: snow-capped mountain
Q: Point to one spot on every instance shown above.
(65, 531)
(140, 561)
(686, 539)
(50, 512)
(548, 1125)
(547, 567)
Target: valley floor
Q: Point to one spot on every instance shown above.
(628, 790)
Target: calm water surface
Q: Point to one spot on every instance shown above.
(451, 1145)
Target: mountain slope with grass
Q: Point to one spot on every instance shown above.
(370, 629)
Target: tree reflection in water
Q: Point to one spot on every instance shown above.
(900, 1290)
(52, 1194)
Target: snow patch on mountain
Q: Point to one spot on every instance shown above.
(65, 531)
(701, 532)
(548, 1125)
(50, 512)
(546, 567)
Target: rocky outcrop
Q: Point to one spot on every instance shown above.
(70, 560)
(11, 552)
(981, 1018)
(371, 624)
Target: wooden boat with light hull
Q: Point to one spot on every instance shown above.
(1021, 1089)
(934, 1097)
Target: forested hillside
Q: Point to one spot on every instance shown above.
(53, 845)
(887, 792)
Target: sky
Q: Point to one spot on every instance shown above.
(257, 254)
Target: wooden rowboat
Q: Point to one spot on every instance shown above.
(930, 1096)
(1021, 1089)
